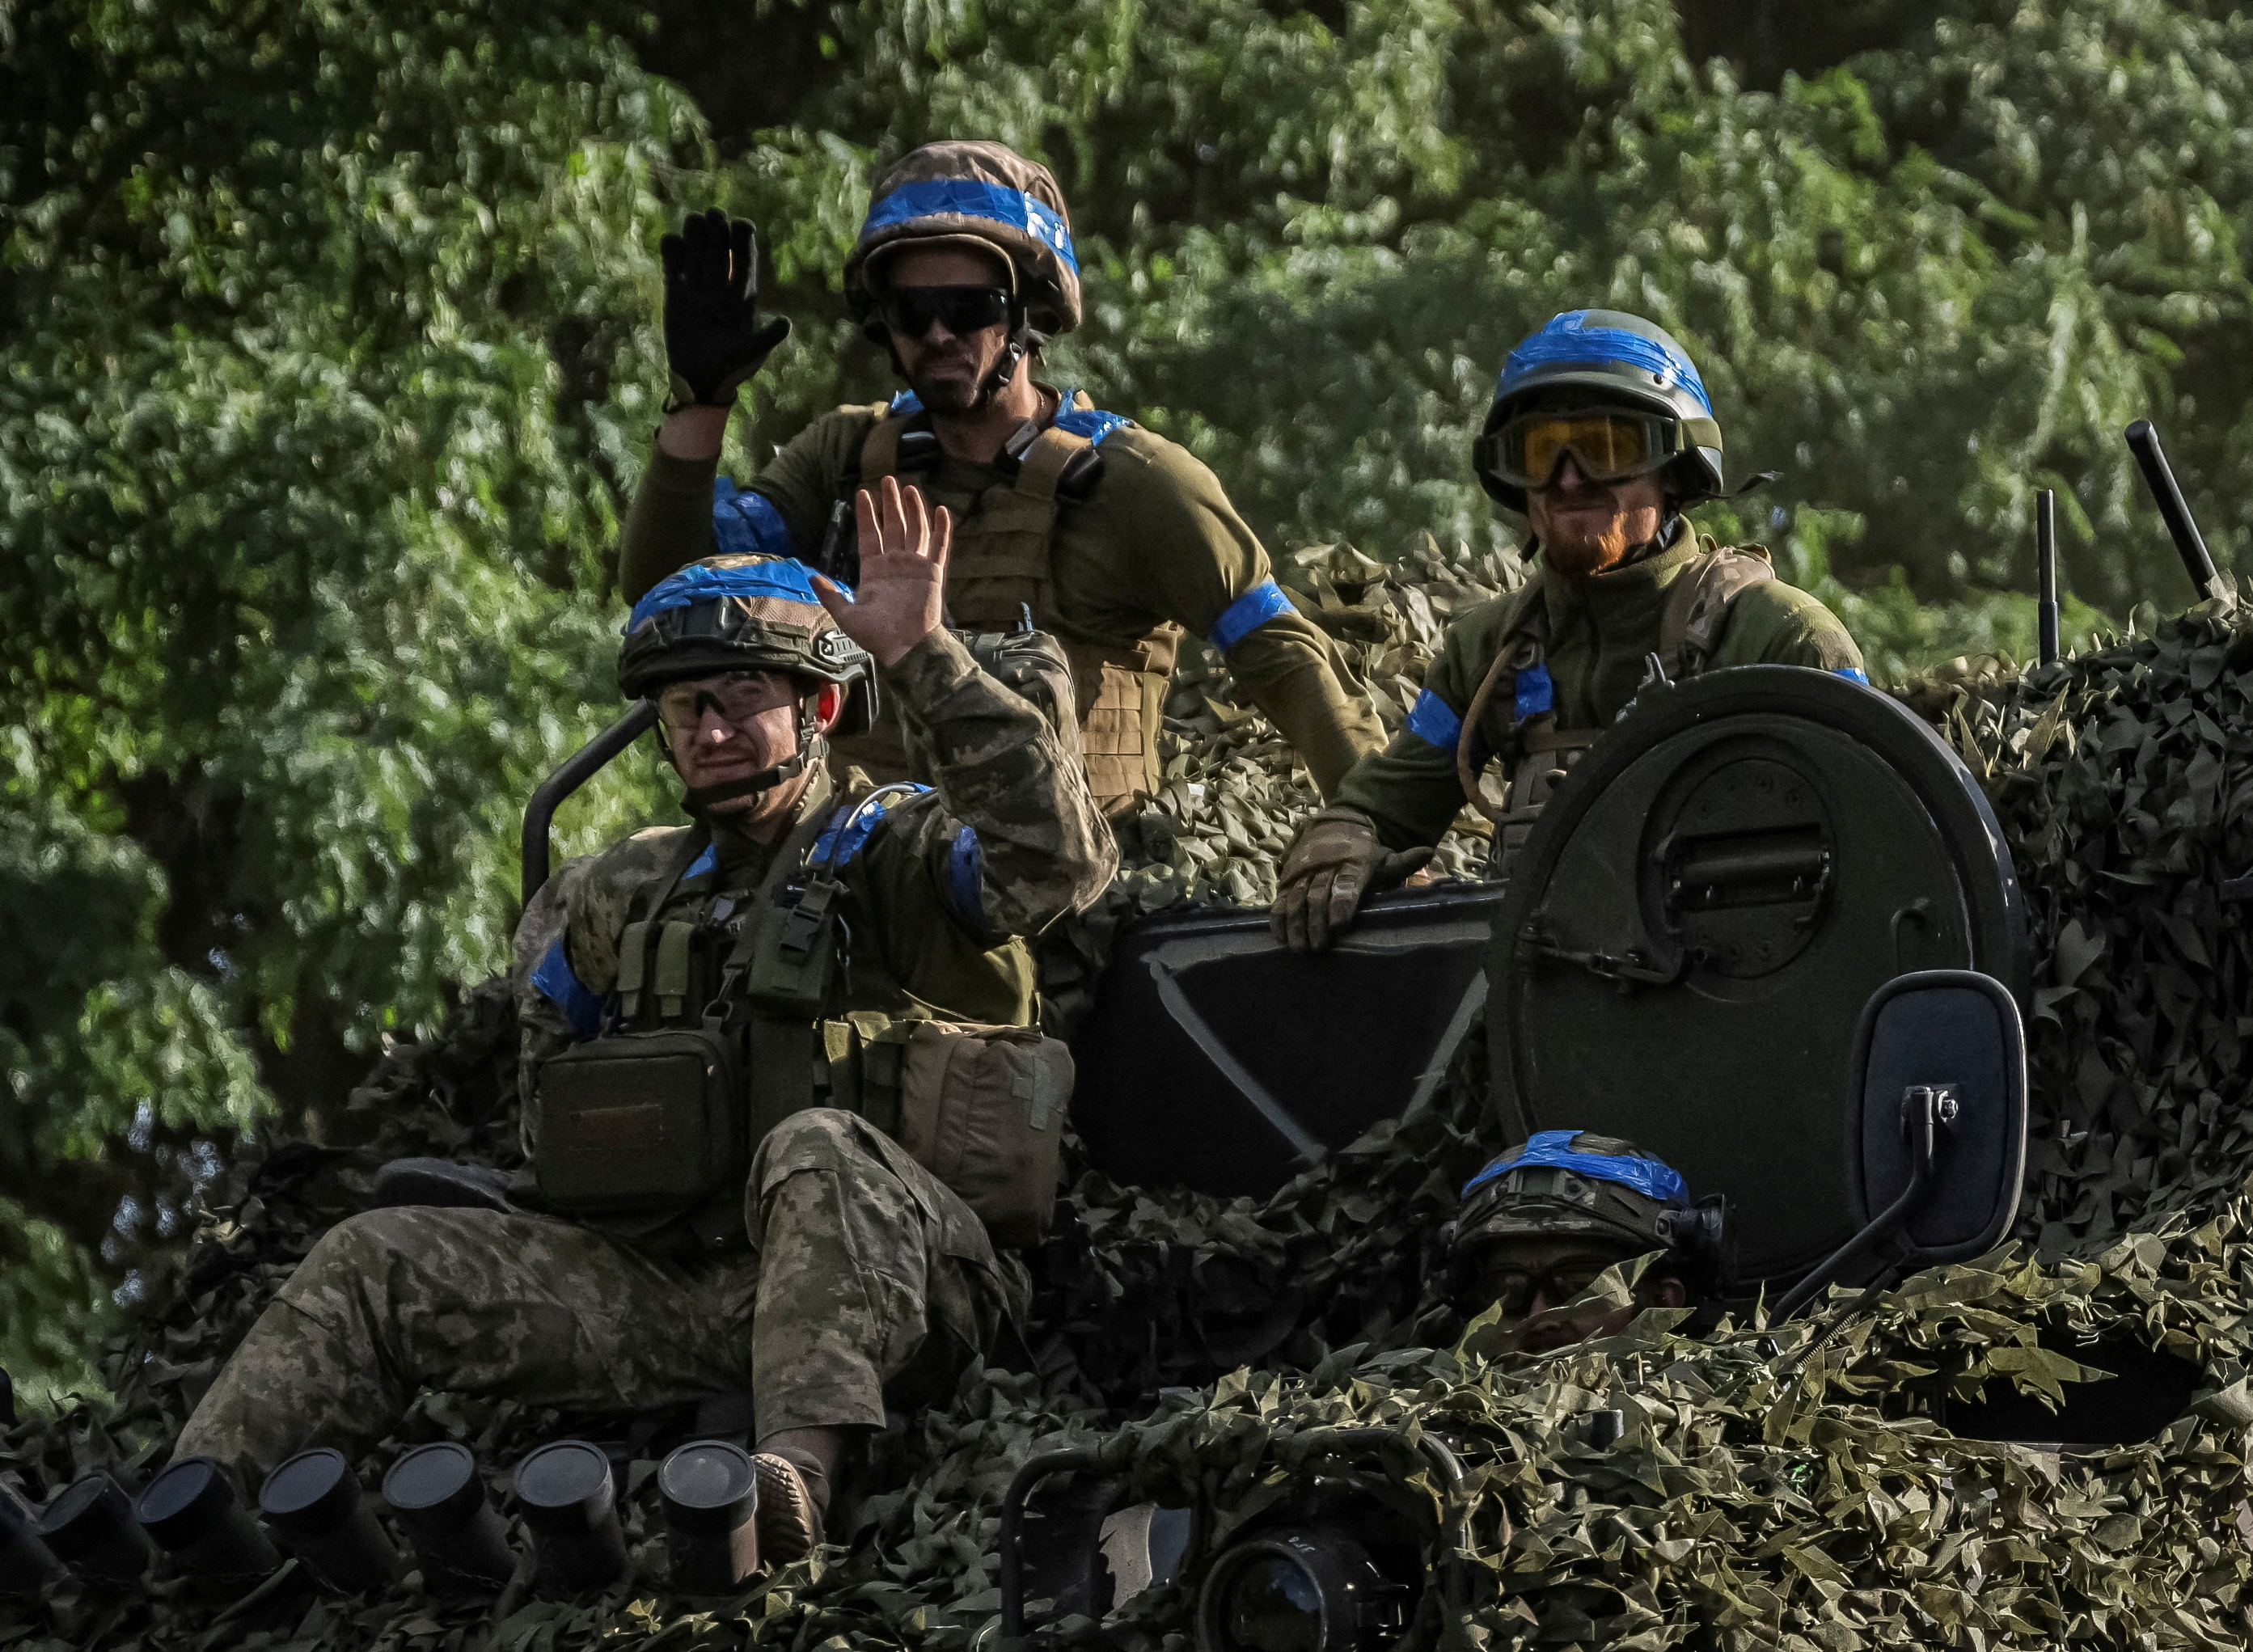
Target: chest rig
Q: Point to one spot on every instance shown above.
(724, 1021)
(1000, 571)
(1532, 746)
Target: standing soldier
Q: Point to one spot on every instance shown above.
(1602, 435)
(725, 1025)
(1079, 521)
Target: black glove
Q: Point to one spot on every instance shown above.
(713, 339)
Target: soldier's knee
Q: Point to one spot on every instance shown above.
(360, 1246)
(817, 1139)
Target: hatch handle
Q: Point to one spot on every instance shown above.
(1627, 971)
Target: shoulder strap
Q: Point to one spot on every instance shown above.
(1044, 462)
(1524, 644)
(1698, 605)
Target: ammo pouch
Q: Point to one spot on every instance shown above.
(637, 1120)
(1032, 665)
(981, 1108)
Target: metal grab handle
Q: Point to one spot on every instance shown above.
(1036, 1469)
(574, 772)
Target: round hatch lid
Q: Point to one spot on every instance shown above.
(1702, 911)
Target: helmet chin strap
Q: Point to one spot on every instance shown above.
(810, 748)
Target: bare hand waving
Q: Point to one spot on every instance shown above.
(902, 596)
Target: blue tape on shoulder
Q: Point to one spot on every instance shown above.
(707, 861)
(747, 524)
(1554, 1147)
(1853, 674)
(965, 869)
(1248, 613)
(1565, 341)
(973, 197)
(857, 822)
(1536, 694)
(1433, 720)
(562, 986)
(1092, 422)
(904, 403)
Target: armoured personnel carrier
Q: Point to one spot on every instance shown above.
(1944, 991)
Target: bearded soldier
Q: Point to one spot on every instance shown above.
(731, 1029)
(1602, 435)
(1542, 1222)
(1067, 518)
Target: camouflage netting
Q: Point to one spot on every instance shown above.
(1785, 1489)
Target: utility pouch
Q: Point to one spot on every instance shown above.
(638, 1121)
(1031, 664)
(793, 953)
(982, 1108)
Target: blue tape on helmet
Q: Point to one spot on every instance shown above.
(972, 197)
(1853, 674)
(1536, 694)
(747, 524)
(792, 582)
(1564, 342)
(1248, 613)
(1433, 720)
(556, 981)
(1553, 1148)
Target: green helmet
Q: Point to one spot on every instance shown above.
(738, 612)
(1607, 357)
(1565, 1184)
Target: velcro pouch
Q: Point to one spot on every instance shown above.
(637, 1122)
(982, 1108)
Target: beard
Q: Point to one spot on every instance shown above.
(1581, 555)
(952, 393)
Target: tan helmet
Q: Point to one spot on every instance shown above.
(1565, 1184)
(976, 193)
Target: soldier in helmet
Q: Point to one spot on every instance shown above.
(1541, 1222)
(779, 1240)
(1601, 436)
(1073, 520)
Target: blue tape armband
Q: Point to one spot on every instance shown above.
(1536, 694)
(1433, 720)
(972, 197)
(1248, 613)
(1853, 674)
(1647, 1176)
(562, 986)
(966, 871)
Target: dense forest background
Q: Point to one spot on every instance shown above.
(327, 357)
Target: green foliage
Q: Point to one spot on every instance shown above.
(331, 352)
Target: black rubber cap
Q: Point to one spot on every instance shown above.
(566, 1483)
(708, 1485)
(312, 1493)
(435, 1482)
(182, 1502)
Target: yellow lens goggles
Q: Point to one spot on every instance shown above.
(1607, 444)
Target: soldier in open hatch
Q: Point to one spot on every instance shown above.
(855, 962)
(1601, 433)
(1539, 1225)
(1076, 520)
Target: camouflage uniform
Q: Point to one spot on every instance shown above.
(861, 1275)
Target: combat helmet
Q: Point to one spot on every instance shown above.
(746, 611)
(1565, 1184)
(982, 195)
(1612, 359)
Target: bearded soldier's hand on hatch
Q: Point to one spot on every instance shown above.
(713, 338)
(902, 595)
(1335, 862)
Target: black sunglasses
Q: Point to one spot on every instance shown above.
(910, 310)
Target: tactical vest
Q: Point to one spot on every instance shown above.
(726, 1021)
(1533, 747)
(999, 572)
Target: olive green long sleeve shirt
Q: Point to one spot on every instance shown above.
(1601, 631)
(1155, 540)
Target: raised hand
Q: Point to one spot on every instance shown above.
(713, 338)
(902, 596)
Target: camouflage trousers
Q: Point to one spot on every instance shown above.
(865, 1275)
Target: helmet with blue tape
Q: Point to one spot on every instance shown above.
(1592, 358)
(980, 194)
(742, 612)
(1565, 1184)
